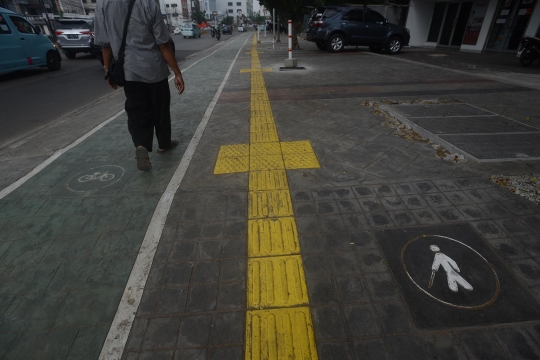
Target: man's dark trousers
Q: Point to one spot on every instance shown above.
(148, 107)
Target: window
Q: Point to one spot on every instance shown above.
(375, 17)
(354, 15)
(239, 11)
(230, 11)
(4, 28)
(166, 5)
(23, 26)
(229, 4)
(238, 3)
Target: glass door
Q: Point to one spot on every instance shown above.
(449, 23)
(511, 20)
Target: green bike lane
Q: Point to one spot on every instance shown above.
(70, 235)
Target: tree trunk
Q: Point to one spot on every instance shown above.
(284, 18)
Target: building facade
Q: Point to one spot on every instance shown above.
(473, 25)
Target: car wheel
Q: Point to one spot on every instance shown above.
(336, 43)
(54, 62)
(375, 49)
(394, 45)
(71, 55)
(320, 46)
(526, 59)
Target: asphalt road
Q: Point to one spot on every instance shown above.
(34, 98)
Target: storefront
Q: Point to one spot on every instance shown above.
(473, 25)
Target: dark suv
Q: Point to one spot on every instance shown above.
(334, 27)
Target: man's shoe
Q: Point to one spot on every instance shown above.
(174, 143)
(143, 161)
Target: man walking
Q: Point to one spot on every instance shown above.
(148, 51)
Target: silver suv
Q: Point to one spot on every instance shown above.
(74, 36)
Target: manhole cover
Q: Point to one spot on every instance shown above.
(95, 178)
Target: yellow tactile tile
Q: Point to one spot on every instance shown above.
(263, 136)
(269, 204)
(261, 120)
(295, 147)
(276, 281)
(301, 161)
(268, 180)
(280, 334)
(230, 165)
(269, 148)
(234, 150)
(262, 113)
(266, 162)
(267, 127)
(250, 70)
(272, 237)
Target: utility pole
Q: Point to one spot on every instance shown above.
(49, 25)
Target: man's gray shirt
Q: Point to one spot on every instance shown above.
(146, 30)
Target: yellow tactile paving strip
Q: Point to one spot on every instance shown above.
(278, 320)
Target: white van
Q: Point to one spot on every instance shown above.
(190, 30)
(23, 45)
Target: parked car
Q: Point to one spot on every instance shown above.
(24, 46)
(226, 29)
(74, 36)
(190, 30)
(241, 29)
(334, 27)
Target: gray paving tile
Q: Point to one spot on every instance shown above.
(405, 189)
(226, 353)
(364, 191)
(328, 323)
(192, 354)
(414, 202)
(372, 261)
(382, 287)
(437, 200)
(394, 318)
(443, 346)
(356, 222)
(228, 328)
(161, 333)
(425, 187)
(370, 349)
(234, 248)
(479, 346)
(508, 249)
(205, 272)
(403, 218)
(327, 207)
(177, 274)
(156, 355)
(478, 196)
(426, 216)
(171, 301)
(29, 345)
(445, 185)
(334, 350)
(136, 335)
(517, 344)
(529, 271)
(513, 227)
(385, 190)
(231, 296)
(316, 266)
(202, 298)
(450, 214)
(406, 347)
(489, 229)
(361, 320)
(88, 343)
(194, 330)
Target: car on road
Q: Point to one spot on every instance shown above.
(177, 30)
(241, 28)
(190, 30)
(334, 27)
(24, 46)
(74, 36)
(226, 29)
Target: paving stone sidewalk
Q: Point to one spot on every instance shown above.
(361, 218)
(373, 192)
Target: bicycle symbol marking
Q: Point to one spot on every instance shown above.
(96, 176)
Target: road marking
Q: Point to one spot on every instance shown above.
(131, 298)
(278, 320)
(14, 186)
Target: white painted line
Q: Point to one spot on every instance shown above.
(127, 309)
(55, 156)
(14, 186)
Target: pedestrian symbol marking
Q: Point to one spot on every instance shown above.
(451, 269)
(95, 178)
(460, 276)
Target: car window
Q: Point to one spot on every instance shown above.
(4, 28)
(375, 17)
(73, 24)
(22, 26)
(354, 15)
(323, 13)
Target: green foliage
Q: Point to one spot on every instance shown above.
(229, 20)
(198, 16)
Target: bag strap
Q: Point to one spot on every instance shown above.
(126, 23)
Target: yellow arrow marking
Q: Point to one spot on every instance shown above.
(278, 320)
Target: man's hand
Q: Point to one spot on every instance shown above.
(179, 83)
(112, 84)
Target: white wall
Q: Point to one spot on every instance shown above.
(534, 22)
(419, 20)
(484, 31)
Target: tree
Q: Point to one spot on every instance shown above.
(292, 10)
(227, 21)
(198, 16)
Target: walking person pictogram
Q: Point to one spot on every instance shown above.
(451, 269)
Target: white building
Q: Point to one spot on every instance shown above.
(235, 8)
(476, 26)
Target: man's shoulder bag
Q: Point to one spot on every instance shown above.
(116, 70)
